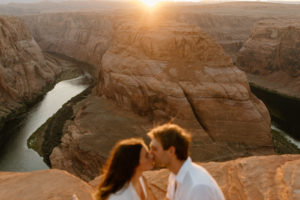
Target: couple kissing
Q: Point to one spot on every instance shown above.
(169, 147)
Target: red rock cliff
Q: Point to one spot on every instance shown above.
(170, 70)
(272, 53)
(83, 36)
(24, 72)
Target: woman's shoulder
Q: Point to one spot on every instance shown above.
(123, 194)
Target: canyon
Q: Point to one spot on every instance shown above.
(272, 53)
(181, 64)
(139, 74)
(24, 71)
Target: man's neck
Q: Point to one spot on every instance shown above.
(175, 166)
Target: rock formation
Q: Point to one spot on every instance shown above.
(166, 70)
(24, 72)
(253, 178)
(88, 139)
(83, 36)
(47, 185)
(272, 52)
(230, 23)
(195, 83)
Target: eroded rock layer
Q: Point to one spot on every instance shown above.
(272, 53)
(24, 72)
(83, 36)
(166, 70)
(254, 178)
(48, 184)
(273, 46)
(161, 72)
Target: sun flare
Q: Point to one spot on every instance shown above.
(150, 3)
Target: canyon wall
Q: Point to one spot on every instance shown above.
(271, 58)
(272, 53)
(230, 24)
(229, 31)
(154, 74)
(148, 71)
(170, 70)
(25, 74)
(82, 36)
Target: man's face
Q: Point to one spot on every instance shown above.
(161, 156)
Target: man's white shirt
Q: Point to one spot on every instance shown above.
(193, 183)
(128, 192)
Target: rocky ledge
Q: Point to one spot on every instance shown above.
(44, 185)
(253, 178)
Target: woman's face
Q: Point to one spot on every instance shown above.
(146, 160)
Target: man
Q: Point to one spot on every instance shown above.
(187, 181)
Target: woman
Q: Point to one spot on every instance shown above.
(122, 178)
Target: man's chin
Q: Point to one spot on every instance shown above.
(158, 165)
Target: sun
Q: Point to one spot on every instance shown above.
(150, 3)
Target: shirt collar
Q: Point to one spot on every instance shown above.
(183, 170)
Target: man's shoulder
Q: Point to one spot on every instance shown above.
(200, 175)
(198, 170)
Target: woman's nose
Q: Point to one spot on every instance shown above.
(151, 156)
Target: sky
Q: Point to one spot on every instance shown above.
(31, 1)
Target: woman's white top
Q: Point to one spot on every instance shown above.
(128, 192)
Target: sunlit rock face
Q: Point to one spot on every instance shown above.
(254, 178)
(83, 36)
(273, 46)
(24, 72)
(230, 31)
(87, 140)
(230, 23)
(48, 185)
(171, 70)
(273, 51)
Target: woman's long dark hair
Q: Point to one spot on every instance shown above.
(120, 167)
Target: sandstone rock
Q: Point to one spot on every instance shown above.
(83, 36)
(88, 139)
(24, 72)
(273, 46)
(272, 54)
(43, 185)
(254, 178)
(195, 83)
(230, 23)
(167, 69)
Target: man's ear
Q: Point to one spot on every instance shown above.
(172, 150)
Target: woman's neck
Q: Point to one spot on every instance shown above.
(135, 178)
